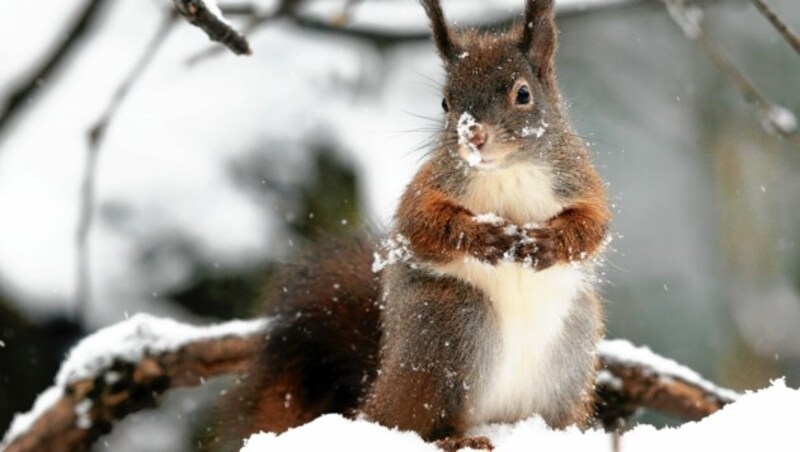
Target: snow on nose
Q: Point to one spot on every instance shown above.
(470, 132)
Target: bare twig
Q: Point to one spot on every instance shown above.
(774, 117)
(96, 134)
(788, 34)
(197, 12)
(104, 389)
(23, 94)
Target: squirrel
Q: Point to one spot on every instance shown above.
(481, 304)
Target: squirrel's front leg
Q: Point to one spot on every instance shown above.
(576, 234)
(440, 230)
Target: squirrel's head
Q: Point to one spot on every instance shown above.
(500, 95)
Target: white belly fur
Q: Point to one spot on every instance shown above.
(529, 307)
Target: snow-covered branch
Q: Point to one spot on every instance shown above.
(129, 366)
(124, 368)
(633, 378)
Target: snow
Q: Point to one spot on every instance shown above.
(82, 412)
(465, 129)
(489, 218)
(782, 119)
(127, 341)
(622, 351)
(393, 249)
(538, 131)
(758, 419)
(333, 432)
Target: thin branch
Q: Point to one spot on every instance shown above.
(208, 18)
(24, 93)
(96, 134)
(774, 118)
(97, 387)
(788, 34)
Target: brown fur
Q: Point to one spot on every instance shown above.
(440, 230)
(321, 351)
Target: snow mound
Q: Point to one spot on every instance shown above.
(755, 420)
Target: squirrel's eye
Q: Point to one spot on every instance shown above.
(445, 107)
(523, 95)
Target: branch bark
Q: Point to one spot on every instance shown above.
(207, 16)
(95, 390)
(785, 31)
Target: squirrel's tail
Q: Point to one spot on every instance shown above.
(320, 353)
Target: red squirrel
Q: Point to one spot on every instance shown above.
(482, 306)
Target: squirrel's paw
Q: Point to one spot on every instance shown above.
(492, 241)
(454, 444)
(537, 248)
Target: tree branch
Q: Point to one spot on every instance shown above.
(205, 15)
(788, 34)
(381, 34)
(633, 378)
(27, 91)
(99, 384)
(129, 366)
(96, 134)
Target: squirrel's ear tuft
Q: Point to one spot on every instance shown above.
(539, 36)
(441, 32)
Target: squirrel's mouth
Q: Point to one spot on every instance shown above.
(478, 144)
(489, 156)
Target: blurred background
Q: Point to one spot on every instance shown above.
(213, 167)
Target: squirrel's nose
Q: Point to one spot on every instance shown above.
(478, 136)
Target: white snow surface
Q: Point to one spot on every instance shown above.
(127, 341)
(765, 418)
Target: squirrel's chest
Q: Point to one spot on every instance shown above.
(529, 308)
(522, 193)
